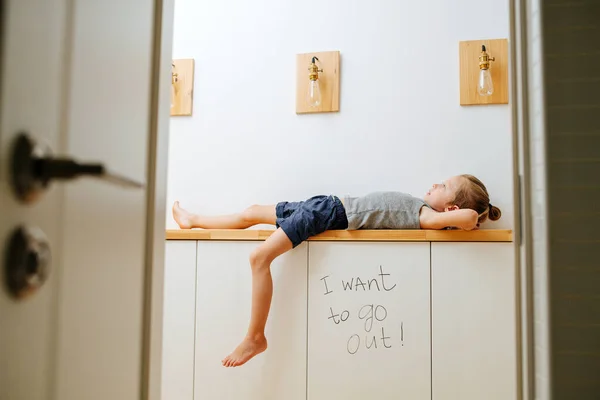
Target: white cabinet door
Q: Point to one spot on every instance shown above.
(222, 315)
(473, 321)
(368, 323)
(179, 320)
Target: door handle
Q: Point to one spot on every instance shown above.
(34, 167)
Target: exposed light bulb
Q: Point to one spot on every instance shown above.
(314, 93)
(313, 96)
(172, 95)
(485, 86)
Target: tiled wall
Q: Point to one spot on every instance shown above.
(565, 164)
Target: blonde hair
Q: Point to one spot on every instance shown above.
(473, 194)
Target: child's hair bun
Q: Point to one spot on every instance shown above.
(494, 213)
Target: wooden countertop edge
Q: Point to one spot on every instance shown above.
(378, 235)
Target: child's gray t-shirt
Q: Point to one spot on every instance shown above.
(383, 210)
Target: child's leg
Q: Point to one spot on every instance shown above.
(262, 290)
(252, 215)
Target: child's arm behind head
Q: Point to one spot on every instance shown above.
(462, 218)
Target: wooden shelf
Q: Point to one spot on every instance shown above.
(378, 235)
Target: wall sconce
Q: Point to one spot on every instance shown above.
(314, 91)
(485, 86)
(319, 90)
(182, 87)
(173, 82)
(480, 84)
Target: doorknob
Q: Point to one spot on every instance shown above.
(27, 262)
(34, 167)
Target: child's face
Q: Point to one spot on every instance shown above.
(441, 195)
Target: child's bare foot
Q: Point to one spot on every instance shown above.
(182, 217)
(249, 348)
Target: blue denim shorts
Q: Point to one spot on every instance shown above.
(303, 219)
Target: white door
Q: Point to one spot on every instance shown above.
(81, 78)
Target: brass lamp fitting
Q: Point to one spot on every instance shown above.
(173, 75)
(314, 70)
(484, 59)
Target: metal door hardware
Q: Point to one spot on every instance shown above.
(27, 262)
(34, 167)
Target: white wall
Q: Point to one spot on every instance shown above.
(400, 126)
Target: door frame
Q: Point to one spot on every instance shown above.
(158, 143)
(519, 71)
